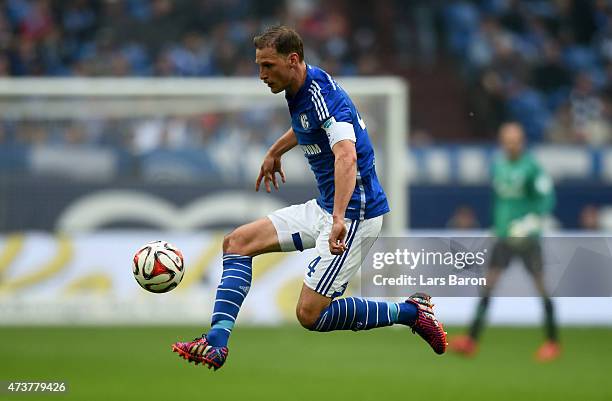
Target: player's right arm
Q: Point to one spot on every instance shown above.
(272, 161)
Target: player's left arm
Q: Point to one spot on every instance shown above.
(272, 161)
(345, 175)
(342, 140)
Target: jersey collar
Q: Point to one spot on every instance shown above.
(292, 100)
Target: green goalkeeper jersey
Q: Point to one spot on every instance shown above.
(523, 193)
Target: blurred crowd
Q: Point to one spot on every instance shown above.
(159, 38)
(547, 64)
(168, 37)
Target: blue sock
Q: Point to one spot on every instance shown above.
(360, 314)
(234, 287)
(407, 313)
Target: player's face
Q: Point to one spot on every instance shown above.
(274, 69)
(511, 140)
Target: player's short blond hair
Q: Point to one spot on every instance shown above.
(283, 39)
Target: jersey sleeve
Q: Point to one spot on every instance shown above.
(334, 115)
(338, 131)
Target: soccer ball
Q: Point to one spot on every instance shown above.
(158, 266)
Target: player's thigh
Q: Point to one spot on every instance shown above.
(328, 275)
(532, 258)
(252, 239)
(297, 226)
(502, 255)
(531, 255)
(284, 230)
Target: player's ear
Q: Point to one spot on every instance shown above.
(294, 59)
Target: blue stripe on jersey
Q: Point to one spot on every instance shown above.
(320, 96)
(362, 195)
(319, 102)
(319, 99)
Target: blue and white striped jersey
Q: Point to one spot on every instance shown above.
(322, 114)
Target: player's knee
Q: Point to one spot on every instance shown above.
(235, 242)
(307, 316)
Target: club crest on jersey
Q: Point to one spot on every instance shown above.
(304, 121)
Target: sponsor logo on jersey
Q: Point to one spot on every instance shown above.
(304, 121)
(311, 150)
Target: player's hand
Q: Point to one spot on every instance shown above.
(337, 236)
(525, 226)
(270, 166)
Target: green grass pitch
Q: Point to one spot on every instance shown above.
(289, 363)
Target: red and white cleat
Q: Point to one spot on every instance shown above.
(199, 351)
(426, 325)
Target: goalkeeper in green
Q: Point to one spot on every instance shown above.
(524, 195)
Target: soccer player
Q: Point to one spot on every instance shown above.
(524, 195)
(338, 224)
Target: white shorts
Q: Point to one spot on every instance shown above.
(308, 226)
